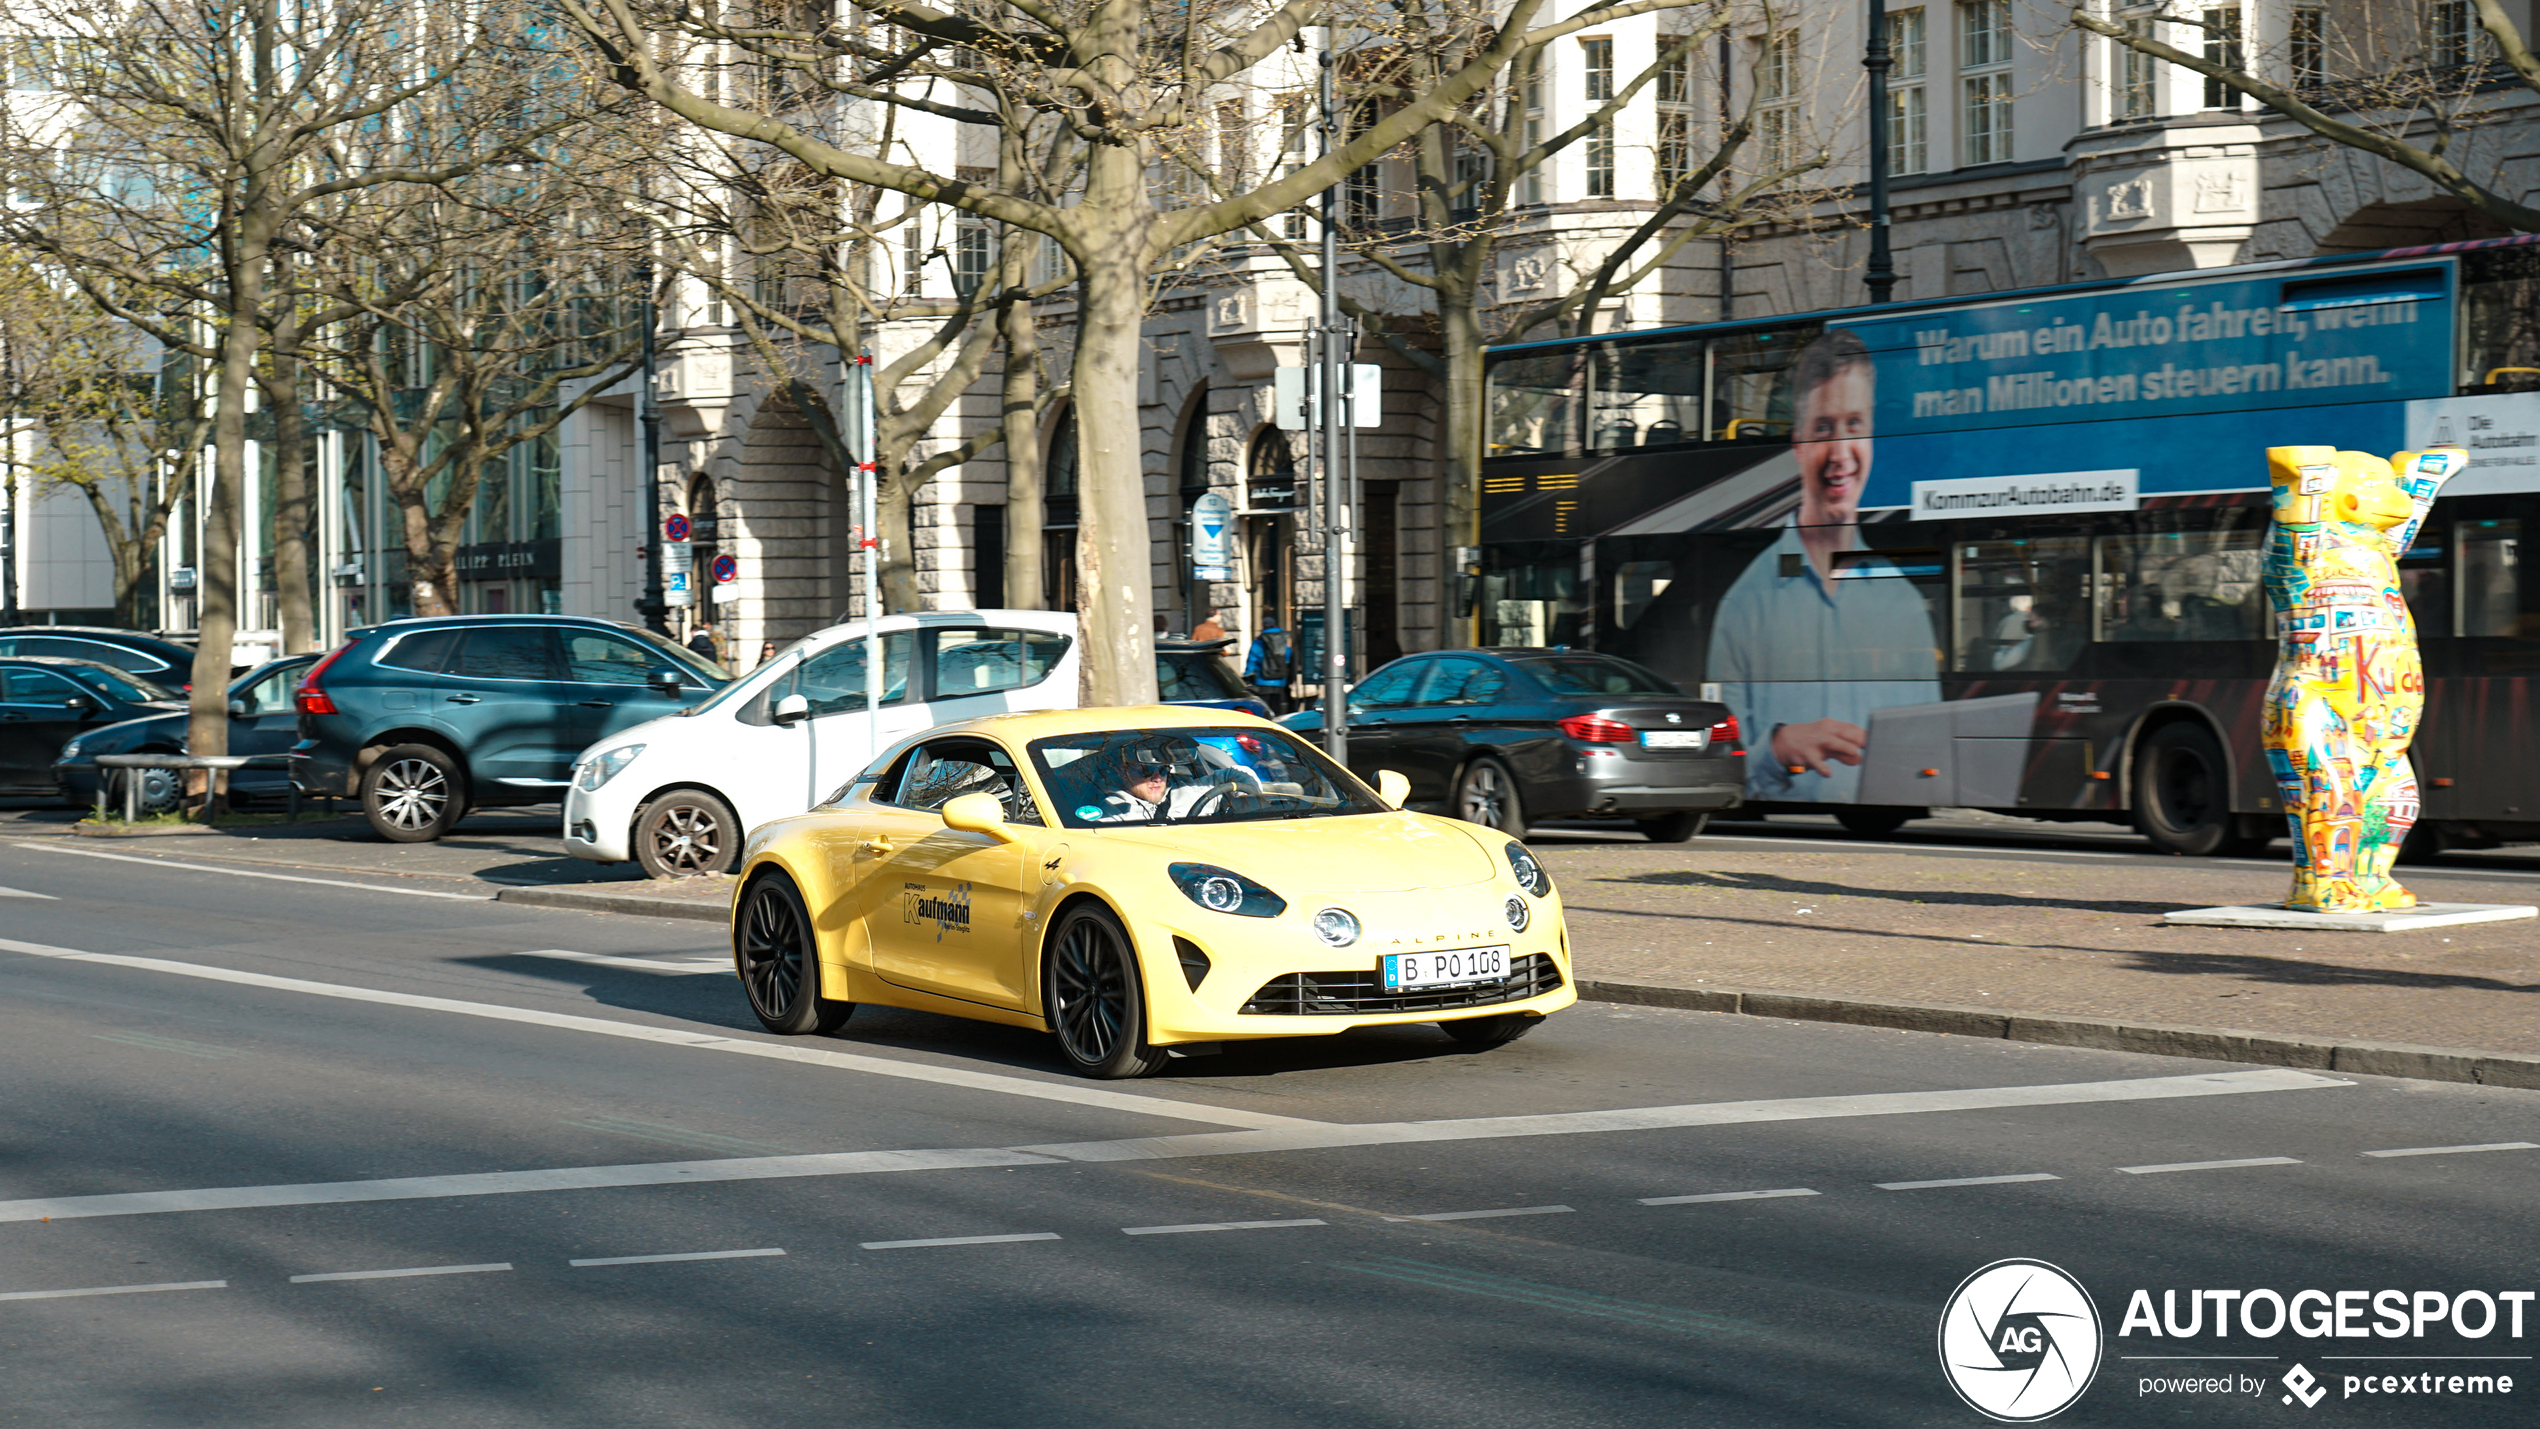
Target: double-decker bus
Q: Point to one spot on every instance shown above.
(2003, 552)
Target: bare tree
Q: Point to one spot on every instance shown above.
(2405, 81)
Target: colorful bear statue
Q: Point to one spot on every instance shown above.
(2348, 688)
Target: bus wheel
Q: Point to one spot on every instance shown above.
(2182, 792)
(1875, 821)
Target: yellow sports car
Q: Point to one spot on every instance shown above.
(1139, 879)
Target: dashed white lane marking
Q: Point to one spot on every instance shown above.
(2210, 1165)
(1488, 1215)
(255, 873)
(402, 1274)
(115, 1290)
(1075, 1093)
(2456, 1150)
(22, 893)
(642, 965)
(1216, 1226)
(1727, 1196)
(1965, 1181)
(679, 1255)
(958, 1240)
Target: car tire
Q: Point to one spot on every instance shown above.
(2182, 792)
(1094, 998)
(1486, 794)
(1484, 1032)
(1676, 828)
(779, 961)
(413, 793)
(1875, 821)
(687, 833)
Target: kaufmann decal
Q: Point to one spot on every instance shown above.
(2021, 1341)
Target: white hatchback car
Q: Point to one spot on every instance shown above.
(678, 793)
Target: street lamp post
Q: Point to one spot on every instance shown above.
(654, 609)
(1881, 274)
(1334, 354)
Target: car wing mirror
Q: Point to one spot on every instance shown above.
(1392, 788)
(978, 814)
(237, 709)
(664, 680)
(789, 709)
(80, 705)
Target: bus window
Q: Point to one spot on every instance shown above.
(1637, 586)
(2022, 605)
(2491, 579)
(1647, 395)
(2182, 585)
(2500, 321)
(2425, 582)
(1750, 384)
(1534, 402)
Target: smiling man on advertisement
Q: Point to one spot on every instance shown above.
(1817, 633)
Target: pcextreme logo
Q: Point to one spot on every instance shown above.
(2019, 1341)
(948, 909)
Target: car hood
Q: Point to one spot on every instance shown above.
(124, 734)
(1358, 853)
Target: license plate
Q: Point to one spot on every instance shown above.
(1404, 971)
(1674, 738)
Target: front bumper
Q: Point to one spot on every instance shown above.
(599, 823)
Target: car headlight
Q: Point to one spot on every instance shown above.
(1222, 890)
(601, 769)
(1530, 874)
(1519, 915)
(1336, 926)
(70, 750)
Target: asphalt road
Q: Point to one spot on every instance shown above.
(600, 1196)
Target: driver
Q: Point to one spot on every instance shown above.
(1141, 776)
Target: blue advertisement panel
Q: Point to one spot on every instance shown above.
(2090, 401)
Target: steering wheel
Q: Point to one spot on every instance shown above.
(1217, 801)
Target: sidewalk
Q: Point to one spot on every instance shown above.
(2069, 950)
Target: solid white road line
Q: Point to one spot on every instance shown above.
(1075, 1093)
(115, 1290)
(1216, 1226)
(1964, 1181)
(2210, 1165)
(1727, 1196)
(253, 873)
(1488, 1215)
(22, 893)
(958, 1240)
(2456, 1150)
(682, 1255)
(644, 965)
(401, 1274)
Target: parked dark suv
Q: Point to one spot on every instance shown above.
(1503, 737)
(427, 718)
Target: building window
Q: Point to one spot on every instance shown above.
(1292, 123)
(2223, 47)
(1675, 122)
(1777, 92)
(1908, 112)
(912, 256)
(970, 257)
(2309, 46)
(1984, 69)
(1531, 188)
(2138, 75)
(1596, 59)
(2454, 39)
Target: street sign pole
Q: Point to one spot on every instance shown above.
(1327, 388)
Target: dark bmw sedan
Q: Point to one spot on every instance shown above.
(1505, 737)
(47, 702)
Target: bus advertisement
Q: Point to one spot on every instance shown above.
(2004, 552)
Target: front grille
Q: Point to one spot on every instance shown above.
(1341, 994)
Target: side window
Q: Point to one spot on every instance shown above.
(1390, 687)
(138, 662)
(1463, 682)
(426, 651)
(833, 680)
(977, 662)
(939, 773)
(508, 652)
(272, 694)
(599, 658)
(38, 687)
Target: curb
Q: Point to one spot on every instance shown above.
(2219, 1044)
(590, 901)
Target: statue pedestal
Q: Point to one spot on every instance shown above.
(2404, 920)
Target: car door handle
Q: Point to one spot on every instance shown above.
(879, 848)
(597, 704)
(466, 699)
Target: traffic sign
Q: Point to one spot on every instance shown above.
(678, 557)
(674, 589)
(1212, 527)
(726, 570)
(676, 527)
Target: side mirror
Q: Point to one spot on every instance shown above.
(664, 681)
(80, 705)
(978, 814)
(790, 709)
(237, 709)
(1392, 788)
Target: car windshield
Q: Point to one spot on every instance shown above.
(1192, 776)
(1594, 675)
(115, 684)
(689, 663)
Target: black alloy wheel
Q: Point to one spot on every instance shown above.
(772, 948)
(413, 793)
(687, 833)
(1486, 1032)
(1676, 828)
(1487, 795)
(1094, 1001)
(2182, 793)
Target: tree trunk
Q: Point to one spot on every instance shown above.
(216, 578)
(291, 500)
(895, 522)
(1115, 577)
(1024, 512)
(1460, 475)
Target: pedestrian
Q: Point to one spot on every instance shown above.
(766, 652)
(1209, 627)
(701, 641)
(1266, 668)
